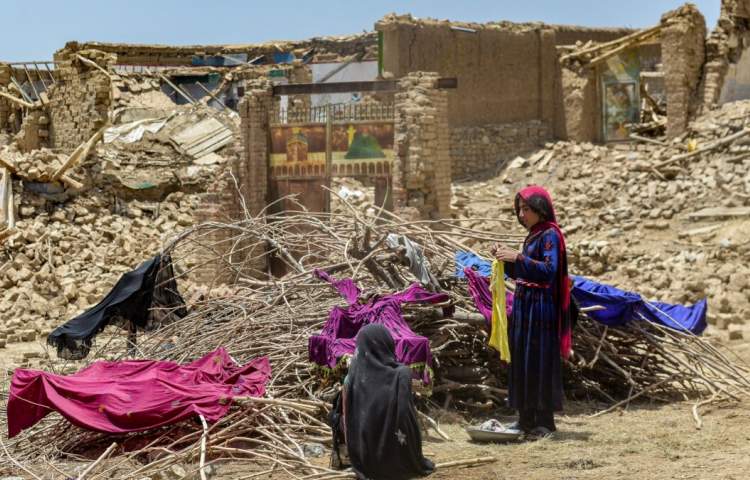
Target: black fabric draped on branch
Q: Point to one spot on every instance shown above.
(142, 299)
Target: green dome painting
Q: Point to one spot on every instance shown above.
(364, 146)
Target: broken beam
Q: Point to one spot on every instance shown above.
(70, 181)
(93, 64)
(613, 43)
(210, 94)
(5, 163)
(17, 100)
(710, 147)
(623, 47)
(79, 154)
(5, 233)
(344, 87)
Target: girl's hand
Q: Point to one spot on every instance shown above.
(505, 253)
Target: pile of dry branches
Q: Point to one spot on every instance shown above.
(274, 315)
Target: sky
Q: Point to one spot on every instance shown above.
(33, 30)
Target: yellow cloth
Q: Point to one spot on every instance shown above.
(499, 333)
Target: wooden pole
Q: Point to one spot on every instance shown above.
(79, 154)
(707, 148)
(20, 102)
(612, 43)
(211, 94)
(99, 460)
(177, 89)
(619, 49)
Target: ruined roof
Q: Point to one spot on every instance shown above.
(393, 19)
(222, 48)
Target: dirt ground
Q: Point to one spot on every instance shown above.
(645, 442)
(652, 441)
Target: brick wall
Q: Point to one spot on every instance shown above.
(5, 109)
(79, 101)
(476, 150)
(726, 55)
(422, 167)
(224, 202)
(253, 168)
(683, 56)
(34, 131)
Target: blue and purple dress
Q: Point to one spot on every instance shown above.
(534, 374)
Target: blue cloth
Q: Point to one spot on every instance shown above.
(475, 262)
(535, 372)
(621, 306)
(283, 57)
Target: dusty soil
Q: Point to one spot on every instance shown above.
(646, 441)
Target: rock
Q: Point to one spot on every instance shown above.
(27, 336)
(518, 162)
(735, 335)
(656, 225)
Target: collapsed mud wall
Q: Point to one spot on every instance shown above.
(683, 56)
(81, 99)
(727, 70)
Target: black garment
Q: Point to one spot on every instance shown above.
(382, 432)
(530, 419)
(128, 304)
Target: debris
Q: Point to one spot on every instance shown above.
(720, 213)
(202, 138)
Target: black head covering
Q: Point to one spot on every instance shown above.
(382, 432)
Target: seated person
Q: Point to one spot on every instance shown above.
(375, 413)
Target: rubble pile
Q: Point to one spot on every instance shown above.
(70, 246)
(37, 166)
(666, 219)
(67, 256)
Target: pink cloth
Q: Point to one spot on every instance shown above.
(134, 395)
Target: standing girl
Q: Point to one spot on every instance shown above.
(539, 331)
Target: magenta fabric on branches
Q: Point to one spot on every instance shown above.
(134, 395)
(338, 337)
(479, 289)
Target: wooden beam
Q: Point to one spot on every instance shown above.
(6, 233)
(210, 94)
(5, 163)
(344, 87)
(709, 147)
(39, 74)
(17, 100)
(177, 89)
(31, 82)
(6, 201)
(92, 63)
(79, 154)
(20, 89)
(70, 181)
(613, 43)
(624, 46)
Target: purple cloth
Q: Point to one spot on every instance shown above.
(479, 289)
(339, 333)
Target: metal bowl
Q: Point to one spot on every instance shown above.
(487, 436)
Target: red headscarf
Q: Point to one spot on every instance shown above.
(539, 200)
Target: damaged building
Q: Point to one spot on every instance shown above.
(161, 137)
